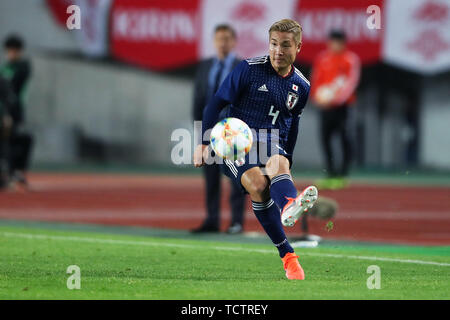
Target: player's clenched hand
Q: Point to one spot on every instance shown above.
(200, 154)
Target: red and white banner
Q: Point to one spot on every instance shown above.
(166, 34)
(318, 17)
(250, 18)
(155, 34)
(92, 37)
(418, 35)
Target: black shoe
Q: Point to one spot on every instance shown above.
(235, 228)
(204, 228)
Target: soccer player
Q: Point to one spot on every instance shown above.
(268, 93)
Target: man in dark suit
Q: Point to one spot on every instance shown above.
(210, 75)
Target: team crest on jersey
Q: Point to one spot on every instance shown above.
(291, 100)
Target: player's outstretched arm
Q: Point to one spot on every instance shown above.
(210, 116)
(211, 113)
(227, 94)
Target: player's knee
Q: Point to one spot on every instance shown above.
(276, 165)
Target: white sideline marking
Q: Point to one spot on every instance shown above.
(175, 245)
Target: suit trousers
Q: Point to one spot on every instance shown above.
(213, 176)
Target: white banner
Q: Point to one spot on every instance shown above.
(417, 35)
(93, 35)
(250, 18)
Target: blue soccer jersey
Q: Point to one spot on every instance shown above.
(263, 99)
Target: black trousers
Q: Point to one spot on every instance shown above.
(4, 160)
(334, 121)
(20, 145)
(237, 197)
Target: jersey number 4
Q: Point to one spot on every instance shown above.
(273, 114)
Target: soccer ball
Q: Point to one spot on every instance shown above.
(231, 138)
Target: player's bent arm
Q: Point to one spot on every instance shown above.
(228, 93)
(211, 114)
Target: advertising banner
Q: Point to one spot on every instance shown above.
(155, 34)
(319, 17)
(250, 18)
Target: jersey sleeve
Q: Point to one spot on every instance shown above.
(228, 93)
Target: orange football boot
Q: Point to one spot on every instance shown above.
(293, 268)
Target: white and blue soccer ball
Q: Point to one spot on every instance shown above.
(231, 138)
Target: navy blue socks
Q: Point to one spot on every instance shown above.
(282, 186)
(268, 216)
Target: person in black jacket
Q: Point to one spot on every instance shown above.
(210, 75)
(17, 71)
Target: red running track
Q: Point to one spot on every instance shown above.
(392, 214)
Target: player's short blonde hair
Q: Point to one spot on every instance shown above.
(288, 25)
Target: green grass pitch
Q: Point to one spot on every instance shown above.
(34, 261)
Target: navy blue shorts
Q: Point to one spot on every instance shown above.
(257, 157)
